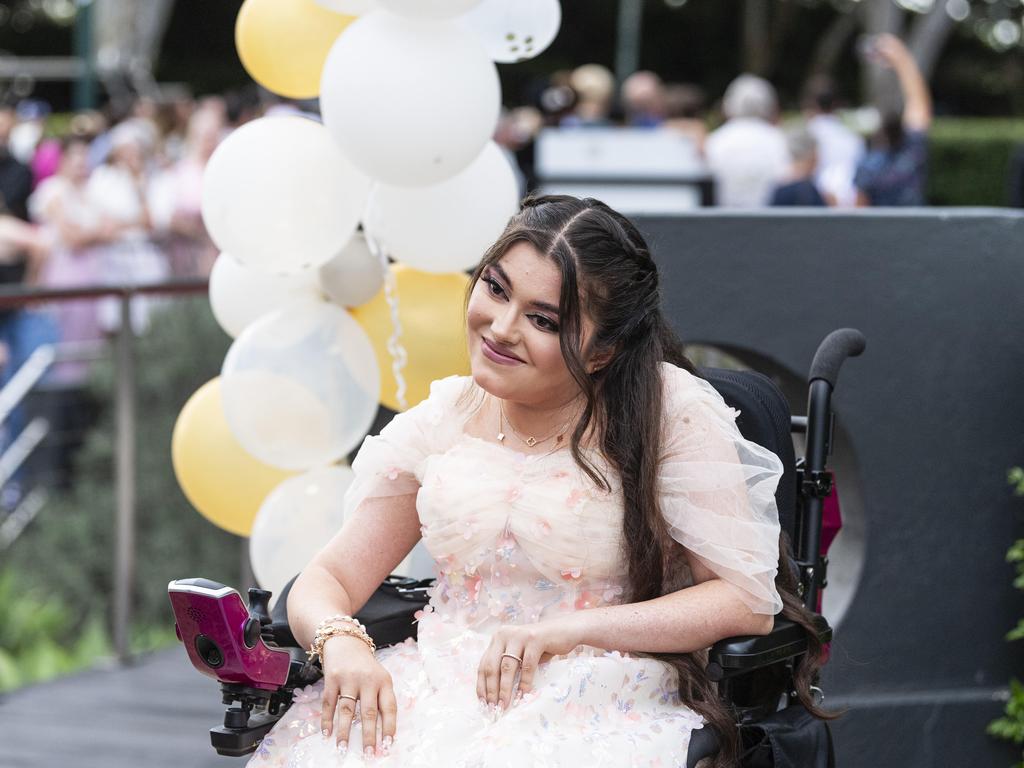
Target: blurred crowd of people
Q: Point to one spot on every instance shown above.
(109, 198)
(114, 196)
(753, 158)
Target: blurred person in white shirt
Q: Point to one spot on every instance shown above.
(748, 154)
(839, 148)
(121, 190)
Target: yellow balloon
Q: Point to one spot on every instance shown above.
(283, 43)
(223, 482)
(431, 309)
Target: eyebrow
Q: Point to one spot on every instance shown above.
(538, 304)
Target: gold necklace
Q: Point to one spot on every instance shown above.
(530, 441)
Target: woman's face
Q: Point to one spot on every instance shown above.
(75, 162)
(512, 330)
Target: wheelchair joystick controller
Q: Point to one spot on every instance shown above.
(259, 616)
(222, 638)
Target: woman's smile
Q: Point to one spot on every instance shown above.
(497, 353)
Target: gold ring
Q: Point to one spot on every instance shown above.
(512, 656)
(346, 696)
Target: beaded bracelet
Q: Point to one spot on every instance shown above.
(334, 626)
(341, 617)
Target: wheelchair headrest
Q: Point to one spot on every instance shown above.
(765, 419)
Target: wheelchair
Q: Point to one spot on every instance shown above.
(250, 649)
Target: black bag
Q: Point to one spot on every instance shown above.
(388, 614)
(789, 738)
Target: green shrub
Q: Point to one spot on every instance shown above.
(969, 160)
(67, 551)
(38, 639)
(1011, 725)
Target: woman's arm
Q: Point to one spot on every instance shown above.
(681, 622)
(691, 619)
(917, 99)
(72, 234)
(346, 572)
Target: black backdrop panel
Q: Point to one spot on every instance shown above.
(933, 411)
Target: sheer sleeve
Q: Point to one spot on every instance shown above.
(717, 490)
(390, 463)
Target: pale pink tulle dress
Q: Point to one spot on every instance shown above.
(521, 537)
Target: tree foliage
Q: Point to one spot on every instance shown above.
(68, 549)
(1011, 725)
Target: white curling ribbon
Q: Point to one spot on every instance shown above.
(399, 357)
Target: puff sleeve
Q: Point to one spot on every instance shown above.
(389, 464)
(717, 490)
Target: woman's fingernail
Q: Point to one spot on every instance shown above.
(325, 733)
(342, 747)
(388, 741)
(368, 752)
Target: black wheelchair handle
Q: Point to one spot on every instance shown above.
(833, 351)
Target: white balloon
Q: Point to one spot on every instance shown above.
(428, 9)
(354, 276)
(410, 102)
(239, 295)
(348, 7)
(515, 30)
(294, 522)
(301, 385)
(279, 196)
(448, 226)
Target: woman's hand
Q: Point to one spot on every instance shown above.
(533, 643)
(352, 672)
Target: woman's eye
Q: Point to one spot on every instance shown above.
(494, 287)
(544, 323)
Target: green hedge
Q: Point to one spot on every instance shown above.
(969, 160)
(66, 553)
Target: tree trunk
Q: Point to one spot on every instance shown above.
(128, 35)
(928, 37)
(832, 43)
(756, 45)
(880, 84)
(785, 15)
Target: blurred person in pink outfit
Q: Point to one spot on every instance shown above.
(176, 199)
(77, 229)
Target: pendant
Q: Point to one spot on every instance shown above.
(501, 436)
(531, 441)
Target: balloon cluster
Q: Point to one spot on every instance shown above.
(325, 328)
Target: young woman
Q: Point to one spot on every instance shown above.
(596, 520)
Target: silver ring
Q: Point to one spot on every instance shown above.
(512, 656)
(346, 696)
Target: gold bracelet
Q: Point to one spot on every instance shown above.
(333, 627)
(317, 649)
(341, 617)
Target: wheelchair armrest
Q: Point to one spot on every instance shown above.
(737, 655)
(388, 615)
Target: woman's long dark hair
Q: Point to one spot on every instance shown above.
(605, 262)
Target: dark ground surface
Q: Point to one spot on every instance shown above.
(156, 713)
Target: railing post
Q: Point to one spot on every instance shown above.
(124, 555)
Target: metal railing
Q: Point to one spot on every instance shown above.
(22, 382)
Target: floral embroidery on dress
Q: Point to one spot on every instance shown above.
(516, 539)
